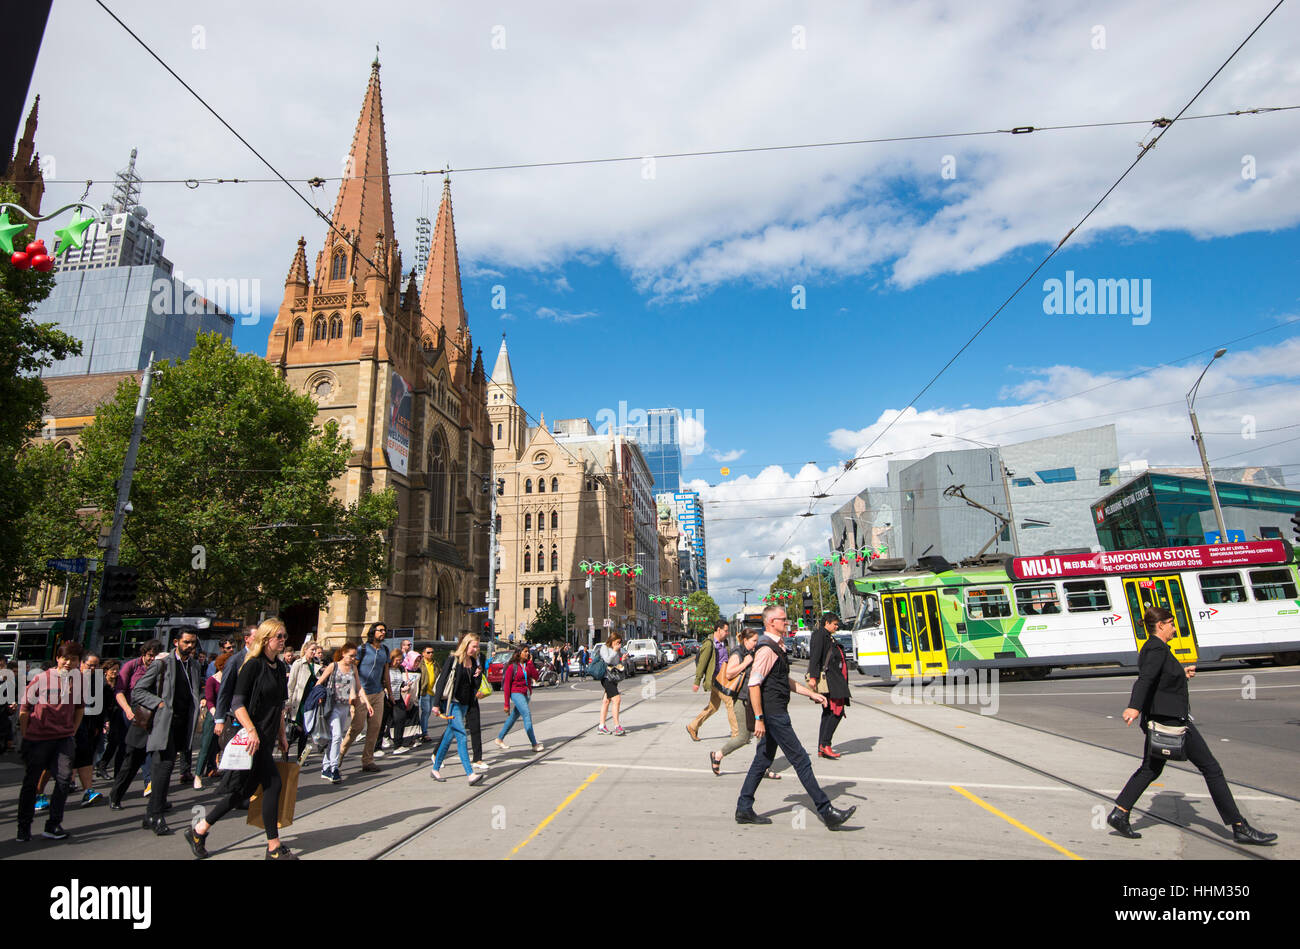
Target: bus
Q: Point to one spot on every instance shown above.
(1035, 614)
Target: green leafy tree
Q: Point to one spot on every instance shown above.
(704, 612)
(815, 580)
(233, 493)
(26, 347)
(547, 625)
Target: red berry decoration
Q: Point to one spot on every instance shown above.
(43, 263)
(35, 247)
(20, 260)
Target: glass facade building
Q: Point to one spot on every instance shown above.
(690, 518)
(1164, 510)
(659, 439)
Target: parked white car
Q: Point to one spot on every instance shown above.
(644, 654)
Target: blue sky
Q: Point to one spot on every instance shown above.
(671, 283)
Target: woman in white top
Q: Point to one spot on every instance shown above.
(611, 652)
(345, 698)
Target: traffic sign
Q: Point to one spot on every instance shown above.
(1234, 537)
(663, 614)
(477, 609)
(72, 565)
(609, 624)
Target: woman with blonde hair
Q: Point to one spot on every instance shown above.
(457, 689)
(261, 691)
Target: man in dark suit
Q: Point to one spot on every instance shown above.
(1160, 695)
(170, 689)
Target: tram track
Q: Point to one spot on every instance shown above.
(1200, 834)
(421, 762)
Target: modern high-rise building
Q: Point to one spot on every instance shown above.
(659, 439)
(123, 235)
(690, 518)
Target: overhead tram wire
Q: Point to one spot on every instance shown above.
(1164, 127)
(704, 153)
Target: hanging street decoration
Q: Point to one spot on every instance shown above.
(35, 256)
(672, 602)
(844, 558)
(780, 597)
(590, 567)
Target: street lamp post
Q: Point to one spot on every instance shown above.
(1200, 445)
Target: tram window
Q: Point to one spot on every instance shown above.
(1086, 596)
(1272, 585)
(1222, 588)
(988, 603)
(1037, 601)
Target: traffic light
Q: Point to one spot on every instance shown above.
(121, 583)
(488, 631)
(1295, 525)
(807, 607)
(501, 486)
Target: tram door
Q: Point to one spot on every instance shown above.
(913, 634)
(1144, 592)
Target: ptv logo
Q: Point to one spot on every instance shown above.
(1111, 620)
(1206, 613)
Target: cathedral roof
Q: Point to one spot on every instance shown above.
(501, 375)
(440, 298)
(364, 206)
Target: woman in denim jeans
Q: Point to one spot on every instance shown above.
(516, 685)
(457, 689)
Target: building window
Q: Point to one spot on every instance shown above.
(528, 486)
(555, 484)
(555, 520)
(1086, 596)
(438, 483)
(1222, 588)
(541, 595)
(555, 558)
(318, 328)
(339, 270)
(1272, 585)
(527, 590)
(1023, 482)
(1056, 475)
(356, 326)
(298, 331)
(528, 561)
(528, 522)
(336, 327)
(498, 431)
(1037, 601)
(1270, 533)
(541, 485)
(555, 594)
(1106, 477)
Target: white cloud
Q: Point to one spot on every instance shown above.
(754, 520)
(562, 316)
(691, 435)
(729, 456)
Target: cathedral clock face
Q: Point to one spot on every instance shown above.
(541, 459)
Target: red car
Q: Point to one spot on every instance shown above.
(497, 668)
(681, 650)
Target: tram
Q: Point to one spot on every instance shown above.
(1035, 614)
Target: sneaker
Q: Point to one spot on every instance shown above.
(55, 832)
(281, 853)
(474, 779)
(198, 843)
(148, 788)
(602, 730)
(336, 777)
(24, 835)
(91, 797)
(386, 743)
(42, 802)
(480, 765)
(402, 749)
(326, 774)
(501, 744)
(378, 753)
(537, 747)
(618, 731)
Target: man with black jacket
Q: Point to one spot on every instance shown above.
(770, 686)
(170, 690)
(826, 658)
(1160, 695)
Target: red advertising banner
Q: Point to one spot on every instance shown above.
(1150, 560)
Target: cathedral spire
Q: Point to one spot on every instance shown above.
(298, 269)
(364, 206)
(440, 298)
(503, 380)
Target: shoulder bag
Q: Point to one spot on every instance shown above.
(1167, 742)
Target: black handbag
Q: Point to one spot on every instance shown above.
(1167, 742)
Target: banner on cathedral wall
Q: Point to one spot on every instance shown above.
(397, 444)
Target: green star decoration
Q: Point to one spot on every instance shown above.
(73, 234)
(7, 232)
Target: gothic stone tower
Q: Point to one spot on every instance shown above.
(401, 385)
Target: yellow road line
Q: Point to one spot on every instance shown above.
(556, 813)
(1014, 823)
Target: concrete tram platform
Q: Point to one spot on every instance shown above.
(929, 782)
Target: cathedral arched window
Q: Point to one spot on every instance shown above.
(555, 520)
(528, 522)
(528, 486)
(528, 560)
(318, 328)
(339, 269)
(356, 326)
(298, 331)
(541, 485)
(438, 484)
(336, 327)
(555, 558)
(498, 431)
(555, 484)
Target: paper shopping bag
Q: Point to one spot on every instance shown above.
(288, 796)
